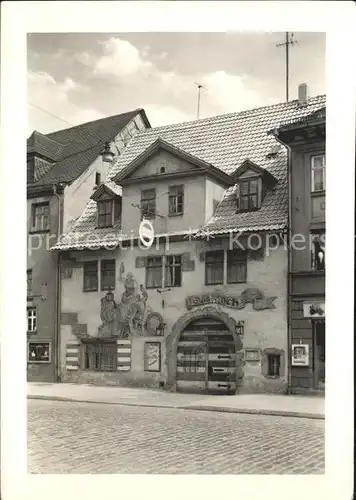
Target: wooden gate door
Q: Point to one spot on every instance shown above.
(221, 366)
(192, 364)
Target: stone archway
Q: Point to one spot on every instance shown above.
(173, 338)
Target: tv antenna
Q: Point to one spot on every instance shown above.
(200, 86)
(289, 41)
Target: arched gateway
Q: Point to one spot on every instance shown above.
(204, 353)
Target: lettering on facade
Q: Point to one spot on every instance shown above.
(250, 295)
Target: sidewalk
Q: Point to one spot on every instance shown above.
(262, 404)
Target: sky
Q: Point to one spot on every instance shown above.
(79, 77)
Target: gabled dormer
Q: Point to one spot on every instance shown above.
(108, 203)
(252, 183)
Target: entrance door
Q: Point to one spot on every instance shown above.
(319, 354)
(206, 358)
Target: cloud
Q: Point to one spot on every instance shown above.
(57, 99)
(121, 58)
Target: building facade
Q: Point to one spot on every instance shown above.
(204, 308)
(306, 141)
(63, 168)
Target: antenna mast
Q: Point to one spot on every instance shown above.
(289, 40)
(199, 89)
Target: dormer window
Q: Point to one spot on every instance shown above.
(105, 213)
(249, 195)
(252, 183)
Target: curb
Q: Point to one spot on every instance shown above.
(221, 409)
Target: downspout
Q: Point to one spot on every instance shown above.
(289, 263)
(58, 292)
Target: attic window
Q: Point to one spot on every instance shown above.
(105, 213)
(249, 195)
(97, 179)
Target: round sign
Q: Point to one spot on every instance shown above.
(146, 233)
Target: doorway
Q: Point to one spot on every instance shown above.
(206, 358)
(319, 354)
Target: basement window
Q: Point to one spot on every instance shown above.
(100, 356)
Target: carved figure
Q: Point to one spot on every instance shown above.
(110, 316)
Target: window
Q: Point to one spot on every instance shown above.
(318, 173)
(154, 272)
(318, 251)
(176, 200)
(247, 198)
(97, 179)
(31, 319)
(39, 352)
(236, 266)
(214, 267)
(108, 274)
(117, 209)
(105, 213)
(148, 204)
(173, 271)
(274, 365)
(100, 356)
(40, 217)
(29, 282)
(90, 274)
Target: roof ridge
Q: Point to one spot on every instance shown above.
(93, 121)
(233, 114)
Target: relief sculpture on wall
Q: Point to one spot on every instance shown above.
(132, 316)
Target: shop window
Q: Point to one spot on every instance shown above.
(31, 319)
(214, 267)
(148, 204)
(40, 217)
(318, 251)
(236, 266)
(107, 268)
(176, 200)
(154, 272)
(90, 276)
(105, 213)
(173, 271)
(100, 356)
(39, 352)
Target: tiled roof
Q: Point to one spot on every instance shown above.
(224, 141)
(75, 148)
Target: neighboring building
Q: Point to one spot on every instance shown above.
(62, 169)
(202, 314)
(306, 139)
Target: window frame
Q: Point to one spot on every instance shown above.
(236, 257)
(148, 200)
(277, 373)
(33, 319)
(174, 192)
(174, 265)
(87, 263)
(313, 169)
(273, 351)
(249, 194)
(103, 263)
(313, 235)
(34, 227)
(207, 264)
(29, 279)
(157, 266)
(97, 346)
(106, 214)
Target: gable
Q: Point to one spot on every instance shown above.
(248, 173)
(162, 162)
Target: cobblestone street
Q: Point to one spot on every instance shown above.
(67, 437)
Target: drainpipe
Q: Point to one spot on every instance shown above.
(56, 350)
(289, 263)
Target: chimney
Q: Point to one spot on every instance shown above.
(303, 94)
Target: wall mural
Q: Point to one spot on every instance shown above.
(132, 316)
(249, 295)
